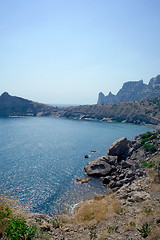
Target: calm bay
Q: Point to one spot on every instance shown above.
(40, 158)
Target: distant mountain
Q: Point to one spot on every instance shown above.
(16, 106)
(133, 91)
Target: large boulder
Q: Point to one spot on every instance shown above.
(98, 167)
(119, 147)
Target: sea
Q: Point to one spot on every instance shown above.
(40, 159)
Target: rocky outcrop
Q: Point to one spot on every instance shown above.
(133, 91)
(123, 161)
(119, 148)
(83, 180)
(98, 167)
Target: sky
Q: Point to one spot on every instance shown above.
(67, 51)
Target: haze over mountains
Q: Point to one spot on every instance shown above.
(133, 91)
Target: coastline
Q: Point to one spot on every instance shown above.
(126, 206)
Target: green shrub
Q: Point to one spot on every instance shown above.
(16, 228)
(154, 136)
(148, 164)
(57, 223)
(5, 212)
(145, 230)
(112, 228)
(132, 224)
(92, 234)
(146, 135)
(144, 140)
(149, 147)
(148, 211)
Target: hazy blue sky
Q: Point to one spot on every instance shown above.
(67, 51)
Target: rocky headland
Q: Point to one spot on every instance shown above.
(17, 106)
(133, 91)
(141, 112)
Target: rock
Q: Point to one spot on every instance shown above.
(158, 220)
(40, 217)
(113, 169)
(97, 167)
(121, 176)
(126, 180)
(138, 196)
(112, 160)
(119, 147)
(106, 180)
(130, 152)
(129, 174)
(141, 154)
(134, 144)
(140, 173)
(114, 178)
(126, 164)
(112, 184)
(46, 227)
(83, 180)
(133, 156)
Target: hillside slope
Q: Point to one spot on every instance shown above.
(145, 112)
(16, 106)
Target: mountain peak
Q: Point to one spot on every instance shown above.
(133, 91)
(5, 94)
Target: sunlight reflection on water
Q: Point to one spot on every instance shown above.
(40, 158)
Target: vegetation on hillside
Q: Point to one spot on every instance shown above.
(12, 226)
(147, 112)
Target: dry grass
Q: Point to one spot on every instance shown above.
(97, 209)
(155, 184)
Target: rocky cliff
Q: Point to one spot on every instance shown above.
(133, 91)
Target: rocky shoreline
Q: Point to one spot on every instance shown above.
(123, 161)
(141, 112)
(131, 211)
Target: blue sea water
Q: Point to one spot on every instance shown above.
(40, 158)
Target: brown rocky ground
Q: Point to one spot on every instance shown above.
(117, 216)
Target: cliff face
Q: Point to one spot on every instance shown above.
(133, 91)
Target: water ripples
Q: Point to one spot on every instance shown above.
(40, 158)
